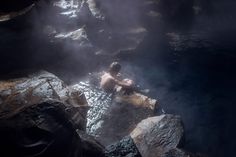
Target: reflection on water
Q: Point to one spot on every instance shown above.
(99, 103)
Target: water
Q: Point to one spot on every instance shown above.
(99, 103)
(197, 84)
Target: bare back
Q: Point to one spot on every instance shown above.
(107, 82)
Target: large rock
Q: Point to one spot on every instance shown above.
(41, 116)
(127, 147)
(123, 148)
(90, 147)
(20, 93)
(157, 135)
(44, 129)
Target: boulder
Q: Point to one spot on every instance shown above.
(122, 148)
(44, 129)
(155, 136)
(41, 116)
(128, 147)
(90, 147)
(18, 94)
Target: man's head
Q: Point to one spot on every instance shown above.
(114, 68)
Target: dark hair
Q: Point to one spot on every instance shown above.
(115, 67)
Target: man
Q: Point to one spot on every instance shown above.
(110, 80)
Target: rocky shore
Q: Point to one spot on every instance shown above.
(42, 116)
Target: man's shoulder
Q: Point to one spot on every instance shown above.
(107, 76)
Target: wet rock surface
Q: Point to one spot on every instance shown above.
(124, 147)
(99, 103)
(155, 136)
(41, 116)
(150, 140)
(111, 117)
(35, 131)
(90, 147)
(44, 129)
(18, 94)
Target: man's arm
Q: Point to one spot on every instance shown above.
(122, 83)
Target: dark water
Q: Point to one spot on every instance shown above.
(200, 86)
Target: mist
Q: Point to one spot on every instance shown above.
(183, 51)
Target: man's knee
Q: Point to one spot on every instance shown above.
(129, 82)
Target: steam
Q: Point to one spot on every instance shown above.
(177, 49)
(83, 34)
(90, 32)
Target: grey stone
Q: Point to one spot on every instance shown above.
(155, 136)
(123, 148)
(41, 116)
(20, 93)
(44, 129)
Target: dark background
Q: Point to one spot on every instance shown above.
(187, 57)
